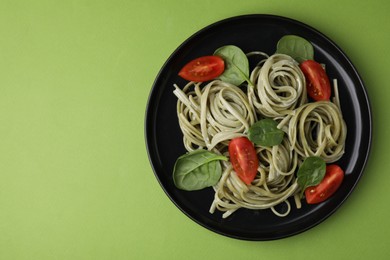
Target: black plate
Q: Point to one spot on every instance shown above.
(164, 138)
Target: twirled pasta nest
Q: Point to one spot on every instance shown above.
(211, 115)
(317, 129)
(279, 86)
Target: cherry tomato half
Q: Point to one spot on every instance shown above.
(317, 82)
(330, 183)
(243, 158)
(203, 69)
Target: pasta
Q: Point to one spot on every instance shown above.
(211, 114)
(279, 86)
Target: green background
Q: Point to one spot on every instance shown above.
(75, 180)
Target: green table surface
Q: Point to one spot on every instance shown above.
(75, 179)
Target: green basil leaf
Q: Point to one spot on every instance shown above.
(311, 172)
(236, 65)
(197, 170)
(297, 47)
(265, 133)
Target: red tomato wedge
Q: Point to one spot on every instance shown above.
(330, 183)
(317, 82)
(203, 69)
(243, 158)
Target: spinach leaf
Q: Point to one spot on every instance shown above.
(297, 47)
(236, 65)
(265, 133)
(197, 170)
(311, 172)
